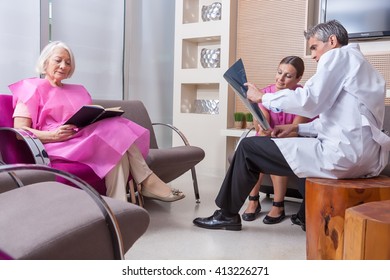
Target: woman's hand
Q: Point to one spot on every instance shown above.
(63, 133)
(259, 130)
(286, 130)
(253, 94)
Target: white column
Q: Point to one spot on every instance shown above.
(150, 34)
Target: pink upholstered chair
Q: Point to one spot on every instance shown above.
(19, 146)
(25, 150)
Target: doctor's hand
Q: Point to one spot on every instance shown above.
(253, 94)
(286, 130)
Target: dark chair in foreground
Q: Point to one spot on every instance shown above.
(49, 220)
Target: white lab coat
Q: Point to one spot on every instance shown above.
(347, 94)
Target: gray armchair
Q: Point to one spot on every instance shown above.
(49, 220)
(167, 163)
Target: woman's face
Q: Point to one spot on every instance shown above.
(286, 77)
(58, 66)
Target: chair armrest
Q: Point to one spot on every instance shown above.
(182, 136)
(244, 135)
(110, 218)
(34, 144)
(16, 180)
(13, 176)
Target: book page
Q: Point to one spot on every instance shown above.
(118, 109)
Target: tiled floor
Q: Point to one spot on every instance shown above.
(171, 234)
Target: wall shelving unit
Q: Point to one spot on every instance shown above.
(195, 85)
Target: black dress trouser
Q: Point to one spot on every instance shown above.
(254, 155)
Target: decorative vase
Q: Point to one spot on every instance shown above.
(249, 125)
(239, 120)
(249, 120)
(210, 58)
(207, 106)
(238, 124)
(212, 12)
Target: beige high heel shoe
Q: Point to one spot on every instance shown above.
(155, 183)
(173, 196)
(135, 198)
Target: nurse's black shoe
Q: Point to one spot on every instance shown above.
(252, 216)
(219, 221)
(275, 220)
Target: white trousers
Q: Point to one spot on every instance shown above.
(117, 179)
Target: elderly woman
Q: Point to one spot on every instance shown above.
(42, 106)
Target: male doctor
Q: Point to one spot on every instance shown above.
(345, 141)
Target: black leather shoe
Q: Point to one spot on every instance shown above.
(219, 221)
(274, 220)
(296, 220)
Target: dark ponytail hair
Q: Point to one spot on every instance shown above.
(295, 61)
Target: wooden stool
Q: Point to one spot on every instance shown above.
(326, 202)
(367, 231)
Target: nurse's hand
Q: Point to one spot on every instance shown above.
(286, 130)
(253, 94)
(259, 130)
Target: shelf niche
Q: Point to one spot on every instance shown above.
(192, 10)
(192, 92)
(192, 47)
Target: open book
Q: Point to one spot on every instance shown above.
(89, 114)
(236, 77)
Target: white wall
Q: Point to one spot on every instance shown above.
(19, 40)
(94, 30)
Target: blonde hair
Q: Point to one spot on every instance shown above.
(48, 51)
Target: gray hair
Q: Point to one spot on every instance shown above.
(323, 31)
(48, 51)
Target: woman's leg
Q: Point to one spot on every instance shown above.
(280, 187)
(253, 204)
(152, 185)
(116, 180)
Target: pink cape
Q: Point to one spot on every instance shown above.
(100, 145)
(277, 118)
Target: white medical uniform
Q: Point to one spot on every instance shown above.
(347, 94)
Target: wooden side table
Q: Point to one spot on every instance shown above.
(367, 231)
(326, 202)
